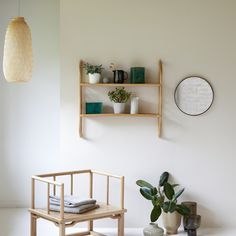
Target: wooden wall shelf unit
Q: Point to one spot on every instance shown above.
(158, 86)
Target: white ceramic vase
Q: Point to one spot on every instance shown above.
(134, 105)
(119, 108)
(94, 78)
(171, 222)
(153, 230)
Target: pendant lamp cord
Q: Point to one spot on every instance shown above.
(19, 7)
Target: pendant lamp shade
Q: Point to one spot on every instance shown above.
(17, 56)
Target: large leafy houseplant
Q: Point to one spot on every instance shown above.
(163, 197)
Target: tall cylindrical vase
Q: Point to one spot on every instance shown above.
(192, 206)
(134, 105)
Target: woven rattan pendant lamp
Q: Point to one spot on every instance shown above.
(17, 55)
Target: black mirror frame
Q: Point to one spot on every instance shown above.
(213, 94)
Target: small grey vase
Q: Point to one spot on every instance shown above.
(153, 230)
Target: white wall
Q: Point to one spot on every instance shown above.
(192, 37)
(29, 120)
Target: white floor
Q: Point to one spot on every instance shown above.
(15, 222)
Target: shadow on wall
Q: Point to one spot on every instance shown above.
(6, 183)
(209, 218)
(169, 116)
(8, 116)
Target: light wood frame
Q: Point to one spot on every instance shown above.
(63, 220)
(160, 98)
(158, 86)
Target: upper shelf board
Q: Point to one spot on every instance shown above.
(119, 85)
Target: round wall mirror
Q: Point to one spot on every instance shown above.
(194, 95)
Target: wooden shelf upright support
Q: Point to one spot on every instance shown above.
(160, 97)
(80, 99)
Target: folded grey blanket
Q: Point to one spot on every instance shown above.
(75, 210)
(71, 201)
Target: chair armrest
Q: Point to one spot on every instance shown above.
(48, 182)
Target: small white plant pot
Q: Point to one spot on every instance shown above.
(119, 108)
(94, 78)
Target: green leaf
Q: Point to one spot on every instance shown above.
(154, 191)
(183, 210)
(165, 207)
(154, 199)
(164, 178)
(91, 69)
(178, 194)
(169, 206)
(143, 183)
(146, 193)
(119, 95)
(169, 191)
(155, 214)
(158, 201)
(172, 207)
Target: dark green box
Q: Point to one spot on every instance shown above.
(93, 107)
(137, 75)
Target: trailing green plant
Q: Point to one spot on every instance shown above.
(119, 95)
(92, 69)
(163, 197)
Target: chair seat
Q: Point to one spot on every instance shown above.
(103, 211)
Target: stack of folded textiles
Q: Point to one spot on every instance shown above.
(73, 204)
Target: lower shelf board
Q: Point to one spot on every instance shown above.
(154, 115)
(91, 233)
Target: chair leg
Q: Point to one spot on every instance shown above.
(33, 225)
(90, 225)
(121, 225)
(62, 229)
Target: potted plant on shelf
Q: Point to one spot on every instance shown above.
(164, 200)
(119, 97)
(94, 72)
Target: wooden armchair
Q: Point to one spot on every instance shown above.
(64, 220)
